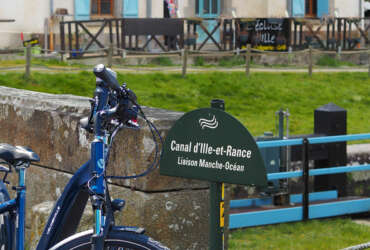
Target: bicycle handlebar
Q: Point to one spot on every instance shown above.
(106, 76)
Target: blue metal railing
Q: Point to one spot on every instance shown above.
(306, 172)
(315, 172)
(305, 211)
(313, 140)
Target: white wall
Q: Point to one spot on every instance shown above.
(347, 8)
(157, 8)
(29, 18)
(28, 15)
(277, 8)
(250, 8)
(188, 8)
(64, 4)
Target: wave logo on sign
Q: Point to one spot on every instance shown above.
(212, 124)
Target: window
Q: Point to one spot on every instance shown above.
(207, 7)
(317, 8)
(311, 8)
(102, 7)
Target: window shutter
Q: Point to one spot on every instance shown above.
(82, 9)
(298, 9)
(322, 7)
(130, 8)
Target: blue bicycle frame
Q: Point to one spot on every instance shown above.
(88, 181)
(11, 205)
(74, 198)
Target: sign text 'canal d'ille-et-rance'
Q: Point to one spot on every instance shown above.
(209, 144)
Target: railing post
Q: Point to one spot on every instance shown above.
(62, 41)
(290, 55)
(339, 51)
(28, 61)
(123, 54)
(184, 54)
(110, 55)
(305, 162)
(248, 60)
(310, 61)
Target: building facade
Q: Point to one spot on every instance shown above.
(43, 16)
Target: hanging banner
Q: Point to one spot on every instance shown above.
(209, 144)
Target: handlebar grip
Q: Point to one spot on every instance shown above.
(101, 71)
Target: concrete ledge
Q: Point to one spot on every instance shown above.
(49, 124)
(171, 209)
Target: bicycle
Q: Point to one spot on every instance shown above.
(113, 107)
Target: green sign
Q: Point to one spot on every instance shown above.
(209, 144)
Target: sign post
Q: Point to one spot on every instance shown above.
(209, 144)
(217, 204)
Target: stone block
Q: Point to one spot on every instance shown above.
(173, 210)
(178, 219)
(49, 124)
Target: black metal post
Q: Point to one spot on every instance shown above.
(339, 32)
(344, 33)
(77, 38)
(305, 162)
(123, 40)
(195, 35)
(327, 35)
(70, 39)
(300, 34)
(117, 36)
(216, 220)
(62, 39)
(333, 34)
(110, 31)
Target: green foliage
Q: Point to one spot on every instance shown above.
(46, 62)
(199, 61)
(163, 61)
(329, 61)
(316, 234)
(231, 61)
(252, 100)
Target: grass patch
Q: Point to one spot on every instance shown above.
(43, 62)
(316, 234)
(199, 61)
(231, 61)
(329, 61)
(252, 100)
(162, 61)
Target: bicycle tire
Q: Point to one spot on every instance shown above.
(114, 240)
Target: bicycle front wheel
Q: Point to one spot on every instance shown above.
(115, 240)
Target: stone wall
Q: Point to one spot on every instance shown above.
(171, 209)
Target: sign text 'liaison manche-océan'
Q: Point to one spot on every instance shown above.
(206, 149)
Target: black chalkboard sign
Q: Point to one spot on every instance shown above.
(266, 33)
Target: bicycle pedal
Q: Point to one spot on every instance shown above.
(118, 204)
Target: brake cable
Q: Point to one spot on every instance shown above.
(154, 131)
